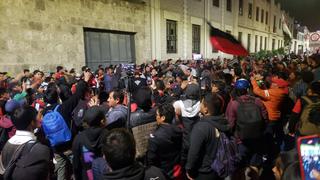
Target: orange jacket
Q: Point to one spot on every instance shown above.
(272, 98)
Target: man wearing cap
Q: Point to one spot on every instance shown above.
(250, 149)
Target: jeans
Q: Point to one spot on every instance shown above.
(63, 167)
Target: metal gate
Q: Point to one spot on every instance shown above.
(103, 47)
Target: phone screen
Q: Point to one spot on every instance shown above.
(309, 156)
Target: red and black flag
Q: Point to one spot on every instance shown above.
(226, 43)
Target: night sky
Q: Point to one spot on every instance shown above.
(307, 12)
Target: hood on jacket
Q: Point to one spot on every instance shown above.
(133, 172)
(219, 122)
(91, 139)
(189, 108)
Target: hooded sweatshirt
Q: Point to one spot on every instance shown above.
(203, 143)
(86, 148)
(189, 108)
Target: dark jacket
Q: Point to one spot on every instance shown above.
(135, 172)
(164, 148)
(203, 144)
(86, 144)
(33, 162)
(140, 117)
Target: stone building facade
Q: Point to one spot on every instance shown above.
(41, 34)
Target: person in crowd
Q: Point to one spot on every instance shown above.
(31, 159)
(315, 64)
(117, 114)
(218, 87)
(300, 88)
(119, 150)
(87, 144)
(313, 96)
(251, 146)
(107, 79)
(144, 113)
(188, 112)
(7, 129)
(273, 98)
(181, 84)
(164, 147)
(203, 139)
(51, 97)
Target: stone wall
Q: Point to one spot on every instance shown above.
(41, 34)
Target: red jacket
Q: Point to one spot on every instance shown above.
(272, 98)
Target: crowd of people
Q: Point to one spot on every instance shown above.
(183, 119)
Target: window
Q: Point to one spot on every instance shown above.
(265, 43)
(273, 43)
(267, 16)
(241, 7)
(257, 14)
(260, 43)
(240, 36)
(108, 47)
(256, 43)
(278, 44)
(274, 24)
(229, 5)
(216, 3)
(280, 23)
(250, 11)
(262, 16)
(249, 42)
(171, 36)
(196, 34)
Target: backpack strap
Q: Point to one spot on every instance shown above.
(15, 157)
(56, 108)
(308, 100)
(250, 100)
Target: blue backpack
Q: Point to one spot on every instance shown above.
(227, 156)
(55, 128)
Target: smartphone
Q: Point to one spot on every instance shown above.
(309, 156)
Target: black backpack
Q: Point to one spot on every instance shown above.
(249, 124)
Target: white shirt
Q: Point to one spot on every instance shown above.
(22, 137)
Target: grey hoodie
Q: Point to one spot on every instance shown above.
(188, 107)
